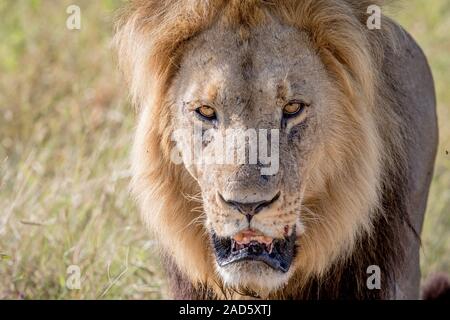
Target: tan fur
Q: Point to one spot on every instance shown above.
(339, 204)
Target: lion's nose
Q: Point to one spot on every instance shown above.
(249, 209)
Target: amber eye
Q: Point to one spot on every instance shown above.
(293, 108)
(206, 112)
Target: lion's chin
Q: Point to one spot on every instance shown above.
(254, 275)
(253, 261)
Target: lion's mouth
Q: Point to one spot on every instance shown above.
(250, 245)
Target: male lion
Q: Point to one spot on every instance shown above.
(353, 114)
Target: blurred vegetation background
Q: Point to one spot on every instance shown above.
(65, 132)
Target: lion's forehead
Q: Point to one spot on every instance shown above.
(219, 64)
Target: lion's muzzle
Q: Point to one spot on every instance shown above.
(249, 209)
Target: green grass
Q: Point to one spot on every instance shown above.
(65, 133)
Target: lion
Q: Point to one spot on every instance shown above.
(349, 117)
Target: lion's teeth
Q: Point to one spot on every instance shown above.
(244, 240)
(270, 248)
(238, 237)
(237, 246)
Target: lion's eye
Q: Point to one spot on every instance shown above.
(293, 108)
(206, 112)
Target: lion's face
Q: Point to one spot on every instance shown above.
(260, 93)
